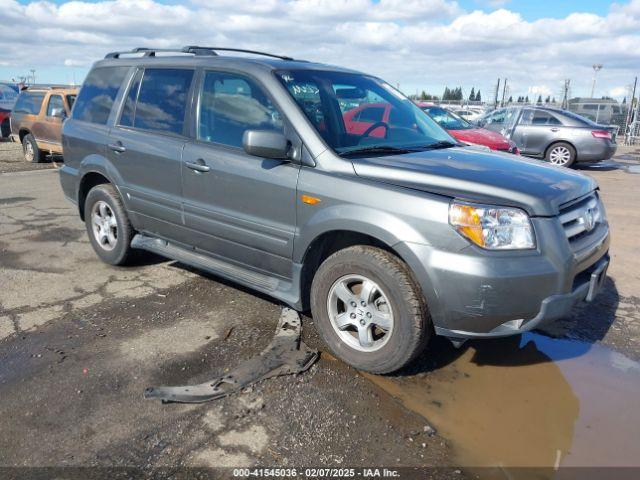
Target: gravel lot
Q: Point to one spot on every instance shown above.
(80, 341)
(11, 159)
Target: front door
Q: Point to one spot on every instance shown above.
(146, 147)
(52, 125)
(240, 207)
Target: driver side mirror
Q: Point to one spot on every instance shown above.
(266, 143)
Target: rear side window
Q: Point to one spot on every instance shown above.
(231, 104)
(371, 114)
(98, 93)
(162, 100)
(29, 103)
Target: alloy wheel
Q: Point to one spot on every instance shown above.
(360, 313)
(104, 225)
(560, 155)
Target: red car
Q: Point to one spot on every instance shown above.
(465, 132)
(358, 120)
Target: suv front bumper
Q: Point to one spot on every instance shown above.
(477, 294)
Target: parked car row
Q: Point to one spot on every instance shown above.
(328, 190)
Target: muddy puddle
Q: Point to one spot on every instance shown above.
(528, 401)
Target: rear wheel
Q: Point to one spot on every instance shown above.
(561, 154)
(108, 226)
(369, 310)
(30, 149)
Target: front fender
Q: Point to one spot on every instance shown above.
(381, 225)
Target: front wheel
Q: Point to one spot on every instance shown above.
(369, 310)
(561, 154)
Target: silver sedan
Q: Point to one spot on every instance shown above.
(558, 136)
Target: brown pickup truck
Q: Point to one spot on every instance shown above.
(36, 120)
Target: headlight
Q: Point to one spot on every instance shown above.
(493, 228)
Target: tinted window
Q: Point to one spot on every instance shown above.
(55, 103)
(98, 93)
(231, 104)
(319, 94)
(162, 100)
(29, 103)
(71, 100)
(371, 114)
(544, 118)
(128, 111)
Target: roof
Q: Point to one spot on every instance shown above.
(64, 89)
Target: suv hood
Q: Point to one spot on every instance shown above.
(493, 178)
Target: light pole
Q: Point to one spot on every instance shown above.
(33, 75)
(596, 68)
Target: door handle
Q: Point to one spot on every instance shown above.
(198, 166)
(117, 147)
(554, 129)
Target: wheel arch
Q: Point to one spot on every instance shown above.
(23, 132)
(89, 180)
(327, 243)
(555, 142)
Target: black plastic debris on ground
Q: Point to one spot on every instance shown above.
(285, 355)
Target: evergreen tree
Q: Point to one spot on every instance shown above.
(510, 99)
(539, 99)
(472, 95)
(548, 99)
(526, 99)
(447, 94)
(624, 100)
(478, 97)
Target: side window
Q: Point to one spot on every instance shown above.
(29, 103)
(55, 103)
(544, 118)
(98, 93)
(497, 117)
(371, 114)
(162, 99)
(129, 109)
(71, 100)
(229, 105)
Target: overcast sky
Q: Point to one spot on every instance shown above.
(418, 44)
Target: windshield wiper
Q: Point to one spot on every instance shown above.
(377, 149)
(440, 144)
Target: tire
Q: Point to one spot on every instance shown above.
(561, 154)
(395, 295)
(108, 226)
(5, 129)
(30, 149)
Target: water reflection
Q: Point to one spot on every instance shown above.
(528, 401)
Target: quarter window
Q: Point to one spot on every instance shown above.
(29, 103)
(231, 104)
(55, 103)
(98, 93)
(162, 99)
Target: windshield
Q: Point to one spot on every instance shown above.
(355, 113)
(446, 119)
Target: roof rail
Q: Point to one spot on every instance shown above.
(48, 87)
(191, 49)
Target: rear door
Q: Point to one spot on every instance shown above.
(240, 207)
(146, 144)
(536, 130)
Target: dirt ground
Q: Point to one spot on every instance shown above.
(80, 341)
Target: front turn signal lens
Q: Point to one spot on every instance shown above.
(492, 227)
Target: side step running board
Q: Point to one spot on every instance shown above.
(204, 262)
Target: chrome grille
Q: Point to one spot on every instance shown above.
(581, 217)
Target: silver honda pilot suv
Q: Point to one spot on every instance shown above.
(328, 190)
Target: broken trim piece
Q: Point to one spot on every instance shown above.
(285, 355)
